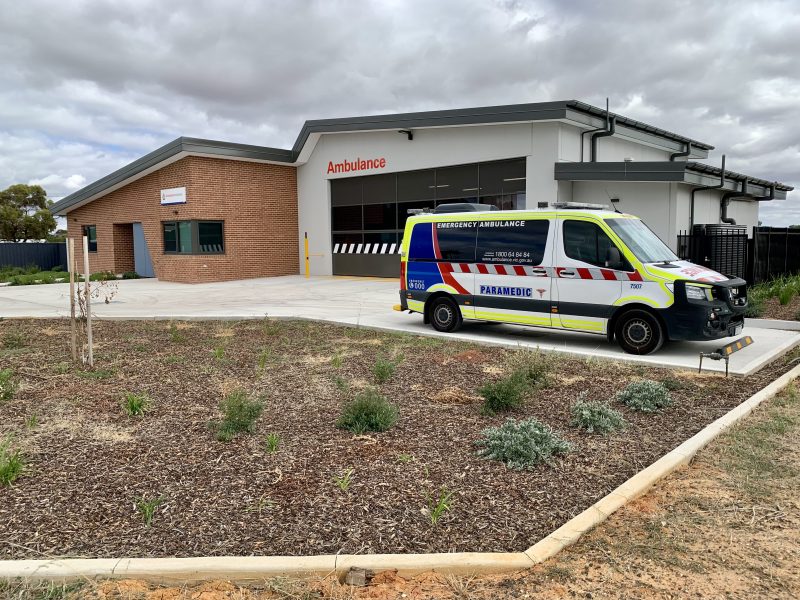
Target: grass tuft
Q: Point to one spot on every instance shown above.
(534, 366)
(505, 394)
(136, 405)
(239, 415)
(344, 479)
(384, 368)
(12, 463)
(439, 504)
(13, 340)
(147, 508)
(271, 442)
(8, 386)
(368, 411)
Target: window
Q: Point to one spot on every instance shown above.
(640, 240)
(586, 242)
(194, 237)
(516, 242)
(456, 241)
(90, 231)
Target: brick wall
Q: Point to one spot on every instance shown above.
(258, 203)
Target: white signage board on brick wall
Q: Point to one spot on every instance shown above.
(173, 196)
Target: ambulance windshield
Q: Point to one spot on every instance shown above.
(645, 244)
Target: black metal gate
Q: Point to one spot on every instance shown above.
(719, 247)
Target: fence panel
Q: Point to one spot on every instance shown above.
(44, 255)
(776, 252)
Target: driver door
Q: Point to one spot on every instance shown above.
(587, 289)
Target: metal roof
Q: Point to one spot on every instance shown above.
(691, 173)
(512, 113)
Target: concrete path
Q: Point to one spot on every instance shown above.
(366, 302)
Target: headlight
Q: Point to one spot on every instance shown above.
(694, 292)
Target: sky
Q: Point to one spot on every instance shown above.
(89, 86)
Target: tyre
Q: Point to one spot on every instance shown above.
(445, 314)
(639, 332)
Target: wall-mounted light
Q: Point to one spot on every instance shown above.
(408, 132)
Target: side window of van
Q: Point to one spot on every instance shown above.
(585, 241)
(517, 242)
(456, 242)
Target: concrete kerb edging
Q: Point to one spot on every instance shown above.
(257, 568)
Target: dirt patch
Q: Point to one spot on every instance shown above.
(238, 498)
(773, 309)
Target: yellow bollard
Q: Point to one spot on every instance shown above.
(305, 241)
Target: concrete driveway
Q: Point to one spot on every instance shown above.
(365, 302)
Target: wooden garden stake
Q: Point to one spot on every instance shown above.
(71, 270)
(88, 298)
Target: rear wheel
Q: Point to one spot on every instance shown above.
(639, 332)
(444, 314)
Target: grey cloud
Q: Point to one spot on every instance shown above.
(87, 86)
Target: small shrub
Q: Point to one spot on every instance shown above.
(135, 404)
(336, 361)
(595, 417)
(32, 421)
(103, 276)
(239, 414)
(521, 444)
(506, 394)
(368, 411)
(344, 480)
(8, 387)
(384, 368)
(646, 396)
(95, 374)
(272, 441)
(534, 365)
(147, 508)
(175, 335)
(13, 340)
(785, 295)
(219, 352)
(672, 383)
(11, 463)
(264, 357)
(439, 504)
(130, 275)
(755, 307)
(341, 383)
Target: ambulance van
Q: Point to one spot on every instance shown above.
(571, 267)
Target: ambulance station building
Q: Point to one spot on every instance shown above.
(198, 210)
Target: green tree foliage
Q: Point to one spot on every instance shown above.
(25, 213)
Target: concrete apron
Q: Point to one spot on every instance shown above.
(257, 568)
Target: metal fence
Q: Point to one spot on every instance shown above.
(771, 252)
(45, 255)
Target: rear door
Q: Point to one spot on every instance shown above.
(512, 279)
(586, 288)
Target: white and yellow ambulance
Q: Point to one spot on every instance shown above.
(573, 267)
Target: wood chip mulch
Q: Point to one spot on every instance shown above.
(88, 462)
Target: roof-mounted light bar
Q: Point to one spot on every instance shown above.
(580, 206)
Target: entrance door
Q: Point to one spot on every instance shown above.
(141, 256)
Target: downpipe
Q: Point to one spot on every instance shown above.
(704, 188)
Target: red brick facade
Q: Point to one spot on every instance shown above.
(257, 202)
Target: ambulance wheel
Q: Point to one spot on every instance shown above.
(444, 314)
(639, 332)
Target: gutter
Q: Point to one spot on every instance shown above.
(686, 152)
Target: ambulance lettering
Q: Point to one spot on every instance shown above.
(498, 290)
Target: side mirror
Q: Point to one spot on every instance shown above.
(614, 259)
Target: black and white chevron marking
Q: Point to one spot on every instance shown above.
(366, 248)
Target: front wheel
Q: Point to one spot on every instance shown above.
(445, 315)
(639, 332)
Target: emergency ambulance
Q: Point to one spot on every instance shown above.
(571, 267)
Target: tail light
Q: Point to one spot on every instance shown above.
(402, 275)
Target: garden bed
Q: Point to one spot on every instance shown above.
(89, 464)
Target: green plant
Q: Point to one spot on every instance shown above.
(521, 444)
(646, 396)
(673, 383)
(11, 463)
(263, 358)
(344, 479)
(239, 414)
(405, 458)
(341, 383)
(32, 421)
(103, 276)
(439, 504)
(533, 365)
(147, 508)
(595, 417)
(219, 352)
(505, 394)
(175, 335)
(368, 411)
(13, 340)
(135, 405)
(785, 295)
(8, 386)
(95, 374)
(384, 368)
(130, 275)
(272, 441)
(336, 361)
(755, 307)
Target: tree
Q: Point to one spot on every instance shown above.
(25, 213)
